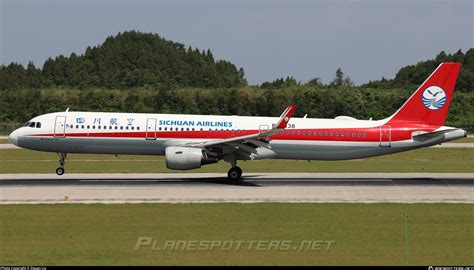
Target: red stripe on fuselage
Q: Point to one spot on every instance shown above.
(399, 132)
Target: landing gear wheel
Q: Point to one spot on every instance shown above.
(62, 162)
(239, 169)
(60, 171)
(235, 174)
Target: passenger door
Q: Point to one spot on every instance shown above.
(385, 136)
(60, 127)
(151, 128)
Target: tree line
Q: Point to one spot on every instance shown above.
(363, 103)
(134, 59)
(407, 77)
(127, 60)
(414, 75)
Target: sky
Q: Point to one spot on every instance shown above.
(367, 39)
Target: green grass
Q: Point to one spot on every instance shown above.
(421, 160)
(464, 140)
(364, 234)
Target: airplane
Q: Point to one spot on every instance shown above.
(191, 141)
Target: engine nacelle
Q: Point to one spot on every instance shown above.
(187, 158)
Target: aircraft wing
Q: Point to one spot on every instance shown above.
(251, 141)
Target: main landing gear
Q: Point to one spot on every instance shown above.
(62, 160)
(235, 173)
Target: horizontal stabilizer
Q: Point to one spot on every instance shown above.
(424, 136)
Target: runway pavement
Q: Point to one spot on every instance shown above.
(257, 187)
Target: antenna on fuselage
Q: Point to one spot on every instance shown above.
(305, 116)
(67, 109)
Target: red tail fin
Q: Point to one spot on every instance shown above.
(430, 103)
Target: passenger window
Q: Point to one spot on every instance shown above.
(121, 127)
(126, 127)
(82, 127)
(98, 127)
(166, 128)
(365, 134)
(134, 128)
(325, 133)
(348, 134)
(77, 126)
(353, 134)
(358, 134)
(287, 133)
(138, 128)
(342, 134)
(332, 133)
(116, 127)
(88, 127)
(304, 132)
(292, 132)
(337, 134)
(299, 133)
(93, 127)
(320, 133)
(309, 133)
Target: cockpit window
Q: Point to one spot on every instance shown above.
(33, 124)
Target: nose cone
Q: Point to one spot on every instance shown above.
(14, 137)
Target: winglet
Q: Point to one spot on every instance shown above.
(285, 117)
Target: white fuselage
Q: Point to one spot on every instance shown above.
(151, 134)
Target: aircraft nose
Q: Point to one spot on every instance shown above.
(14, 137)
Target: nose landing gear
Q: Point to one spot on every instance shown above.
(60, 171)
(62, 160)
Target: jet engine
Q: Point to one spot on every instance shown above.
(187, 158)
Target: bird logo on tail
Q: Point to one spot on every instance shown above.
(434, 98)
